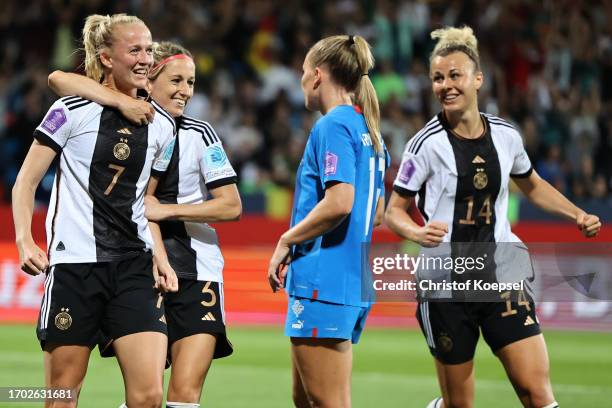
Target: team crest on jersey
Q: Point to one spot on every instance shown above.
(54, 120)
(297, 308)
(331, 164)
(407, 171)
(480, 179)
(121, 150)
(63, 320)
(215, 157)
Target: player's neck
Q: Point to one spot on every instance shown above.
(109, 82)
(467, 125)
(332, 97)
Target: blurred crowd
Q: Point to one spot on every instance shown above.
(547, 66)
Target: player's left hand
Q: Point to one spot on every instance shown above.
(588, 224)
(154, 210)
(165, 277)
(277, 270)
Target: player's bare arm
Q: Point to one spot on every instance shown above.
(32, 259)
(165, 276)
(399, 221)
(65, 83)
(225, 205)
(548, 198)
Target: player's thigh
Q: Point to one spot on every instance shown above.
(142, 357)
(324, 366)
(300, 398)
(456, 383)
(191, 359)
(527, 365)
(65, 366)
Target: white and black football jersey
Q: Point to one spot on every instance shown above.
(464, 182)
(198, 164)
(96, 212)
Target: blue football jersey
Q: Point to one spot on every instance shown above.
(334, 267)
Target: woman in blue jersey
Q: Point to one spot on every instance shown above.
(195, 315)
(99, 264)
(460, 165)
(339, 197)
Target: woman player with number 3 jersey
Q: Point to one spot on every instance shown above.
(460, 165)
(339, 197)
(198, 168)
(99, 267)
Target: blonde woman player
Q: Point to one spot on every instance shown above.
(460, 165)
(199, 187)
(99, 265)
(339, 198)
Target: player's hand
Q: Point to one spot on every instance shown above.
(165, 277)
(432, 234)
(277, 270)
(588, 224)
(136, 111)
(154, 210)
(32, 259)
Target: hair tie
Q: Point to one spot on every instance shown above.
(351, 39)
(366, 74)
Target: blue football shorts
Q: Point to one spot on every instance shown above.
(308, 318)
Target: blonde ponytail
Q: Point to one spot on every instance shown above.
(349, 60)
(97, 35)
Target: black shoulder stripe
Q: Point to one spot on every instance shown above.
(497, 120)
(205, 126)
(79, 105)
(75, 101)
(164, 114)
(66, 99)
(201, 131)
(502, 124)
(211, 133)
(195, 121)
(432, 123)
(426, 136)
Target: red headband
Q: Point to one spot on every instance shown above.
(163, 62)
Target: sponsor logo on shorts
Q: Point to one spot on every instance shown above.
(209, 316)
(63, 320)
(529, 321)
(298, 325)
(297, 308)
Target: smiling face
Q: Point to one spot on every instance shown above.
(455, 82)
(173, 87)
(128, 60)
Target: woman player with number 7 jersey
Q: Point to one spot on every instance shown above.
(100, 270)
(460, 165)
(339, 197)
